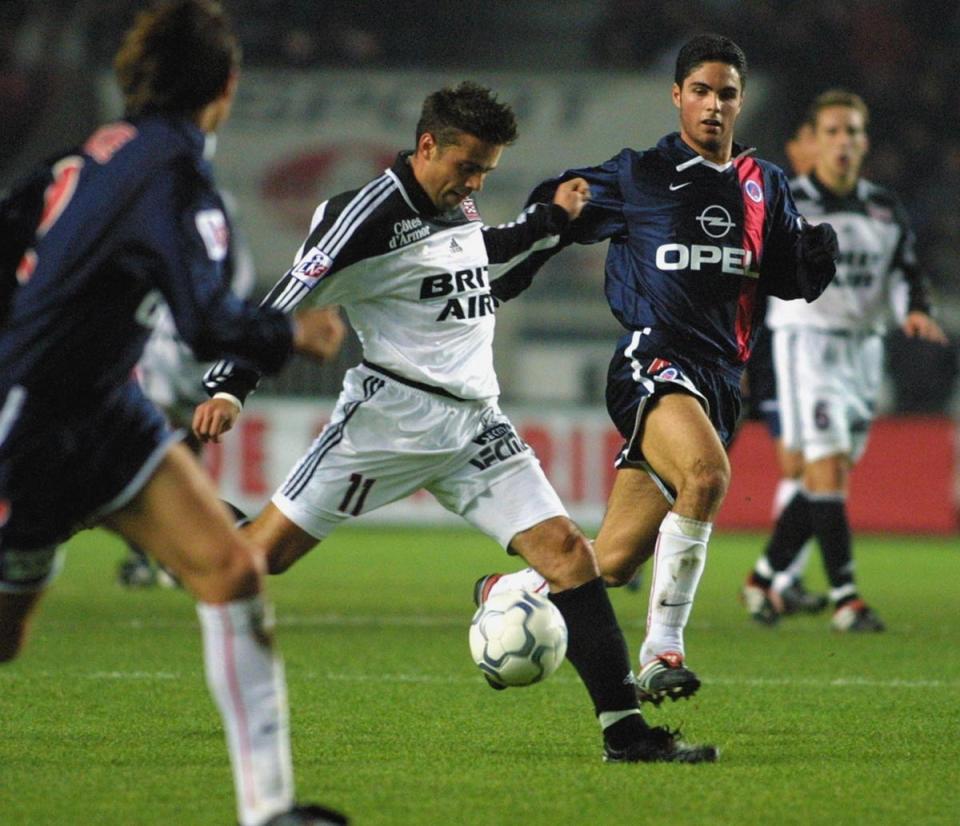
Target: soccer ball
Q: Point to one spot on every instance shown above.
(518, 638)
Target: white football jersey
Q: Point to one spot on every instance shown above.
(876, 250)
(415, 283)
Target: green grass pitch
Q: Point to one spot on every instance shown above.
(106, 719)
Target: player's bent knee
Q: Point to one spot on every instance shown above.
(233, 571)
(280, 542)
(560, 553)
(708, 485)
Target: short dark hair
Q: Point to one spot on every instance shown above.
(838, 97)
(706, 48)
(469, 108)
(176, 58)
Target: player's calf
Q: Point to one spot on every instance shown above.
(24, 577)
(15, 612)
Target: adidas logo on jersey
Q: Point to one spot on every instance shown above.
(454, 246)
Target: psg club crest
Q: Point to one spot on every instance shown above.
(663, 369)
(753, 190)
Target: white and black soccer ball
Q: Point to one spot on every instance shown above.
(518, 638)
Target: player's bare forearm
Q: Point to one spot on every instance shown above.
(572, 196)
(213, 418)
(919, 325)
(319, 333)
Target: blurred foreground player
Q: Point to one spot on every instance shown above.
(700, 231)
(172, 378)
(828, 358)
(129, 217)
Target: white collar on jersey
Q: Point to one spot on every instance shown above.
(719, 167)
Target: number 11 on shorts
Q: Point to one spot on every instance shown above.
(358, 489)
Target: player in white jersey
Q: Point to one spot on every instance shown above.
(828, 356)
(410, 260)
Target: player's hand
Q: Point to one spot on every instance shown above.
(572, 195)
(817, 254)
(919, 325)
(213, 418)
(318, 333)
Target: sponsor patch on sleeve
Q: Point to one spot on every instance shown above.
(212, 226)
(313, 266)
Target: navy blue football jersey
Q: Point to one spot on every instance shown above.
(694, 246)
(127, 222)
(130, 217)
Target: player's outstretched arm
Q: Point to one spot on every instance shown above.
(317, 333)
(918, 324)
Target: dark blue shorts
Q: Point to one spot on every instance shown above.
(62, 470)
(642, 368)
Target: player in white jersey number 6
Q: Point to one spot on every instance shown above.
(410, 259)
(828, 358)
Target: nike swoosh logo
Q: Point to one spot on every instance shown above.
(675, 187)
(666, 604)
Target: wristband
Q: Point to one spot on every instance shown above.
(230, 398)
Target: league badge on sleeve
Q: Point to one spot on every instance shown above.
(313, 266)
(212, 226)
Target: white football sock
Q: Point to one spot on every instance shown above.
(246, 678)
(524, 580)
(678, 564)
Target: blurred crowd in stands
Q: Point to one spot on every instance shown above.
(900, 55)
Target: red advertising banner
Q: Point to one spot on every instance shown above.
(907, 482)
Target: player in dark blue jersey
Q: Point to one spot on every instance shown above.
(131, 216)
(700, 231)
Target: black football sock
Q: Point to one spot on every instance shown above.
(596, 647)
(239, 517)
(793, 529)
(832, 529)
(625, 731)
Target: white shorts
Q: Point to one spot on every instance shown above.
(827, 386)
(386, 440)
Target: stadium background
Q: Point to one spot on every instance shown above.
(331, 90)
